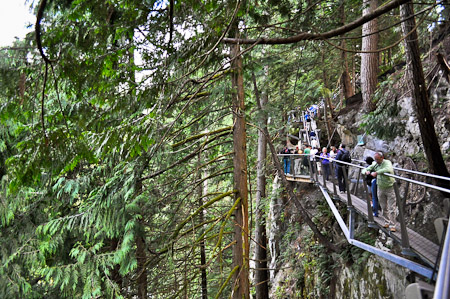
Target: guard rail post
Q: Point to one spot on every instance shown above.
(349, 197)
(334, 179)
(406, 249)
(351, 223)
(357, 183)
(442, 287)
(371, 221)
(324, 181)
(311, 172)
(291, 168)
(316, 171)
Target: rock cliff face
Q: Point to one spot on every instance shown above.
(379, 279)
(409, 143)
(307, 270)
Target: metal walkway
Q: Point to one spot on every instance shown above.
(424, 248)
(414, 246)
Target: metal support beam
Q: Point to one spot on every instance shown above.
(413, 266)
(371, 221)
(349, 197)
(406, 249)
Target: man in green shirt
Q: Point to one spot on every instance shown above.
(386, 194)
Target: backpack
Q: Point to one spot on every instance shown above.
(346, 156)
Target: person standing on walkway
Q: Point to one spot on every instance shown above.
(333, 154)
(342, 155)
(306, 154)
(314, 142)
(385, 186)
(312, 158)
(372, 184)
(286, 160)
(324, 156)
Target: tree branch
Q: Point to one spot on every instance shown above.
(320, 36)
(37, 29)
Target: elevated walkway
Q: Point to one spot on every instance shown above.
(425, 249)
(419, 254)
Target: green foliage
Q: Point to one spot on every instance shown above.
(384, 122)
(356, 257)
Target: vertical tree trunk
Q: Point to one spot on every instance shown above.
(204, 282)
(354, 72)
(346, 84)
(241, 248)
(327, 101)
(141, 251)
(142, 273)
(261, 273)
(420, 95)
(369, 61)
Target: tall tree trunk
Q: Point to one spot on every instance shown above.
(261, 273)
(142, 272)
(204, 284)
(369, 61)
(141, 251)
(346, 84)
(354, 72)
(420, 95)
(241, 248)
(327, 101)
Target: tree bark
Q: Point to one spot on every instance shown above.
(261, 272)
(326, 101)
(346, 84)
(241, 248)
(420, 95)
(204, 281)
(142, 272)
(369, 61)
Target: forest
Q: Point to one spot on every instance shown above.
(139, 138)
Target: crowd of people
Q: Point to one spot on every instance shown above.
(324, 161)
(318, 160)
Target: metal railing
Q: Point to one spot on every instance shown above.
(443, 278)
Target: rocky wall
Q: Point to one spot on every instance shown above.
(379, 279)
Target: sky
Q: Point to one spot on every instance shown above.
(14, 16)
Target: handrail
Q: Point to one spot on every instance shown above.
(416, 172)
(387, 255)
(348, 231)
(387, 174)
(442, 287)
(395, 168)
